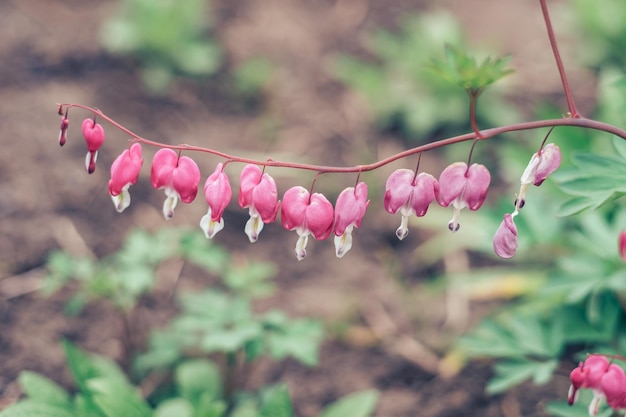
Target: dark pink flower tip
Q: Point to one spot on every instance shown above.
(622, 245)
(218, 192)
(93, 133)
(463, 186)
(307, 213)
(549, 160)
(125, 169)
(63, 131)
(613, 385)
(410, 192)
(505, 239)
(258, 192)
(350, 208)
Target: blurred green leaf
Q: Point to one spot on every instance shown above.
(31, 408)
(39, 388)
(358, 404)
(196, 378)
(276, 402)
(511, 373)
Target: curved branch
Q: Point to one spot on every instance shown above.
(484, 134)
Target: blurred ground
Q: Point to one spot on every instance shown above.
(50, 53)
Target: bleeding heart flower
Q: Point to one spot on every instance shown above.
(124, 173)
(259, 194)
(589, 374)
(543, 163)
(179, 176)
(505, 239)
(613, 386)
(307, 214)
(622, 245)
(409, 193)
(463, 187)
(94, 138)
(218, 194)
(349, 211)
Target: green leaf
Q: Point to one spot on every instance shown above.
(197, 378)
(276, 402)
(115, 399)
(174, 407)
(39, 388)
(31, 408)
(231, 339)
(511, 373)
(358, 404)
(620, 146)
(298, 338)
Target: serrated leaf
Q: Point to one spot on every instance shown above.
(358, 404)
(38, 387)
(511, 373)
(579, 204)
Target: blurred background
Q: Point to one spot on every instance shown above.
(330, 82)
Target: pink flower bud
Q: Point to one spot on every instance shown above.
(349, 211)
(463, 187)
(505, 239)
(218, 194)
(622, 245)
(94, 138)
(258, 193)
(124, 173)
(409, 193)
(178, 176)
(307, 214)
(63, 131)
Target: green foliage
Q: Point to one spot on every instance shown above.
(215, 321)
(169, 38)
(404, 91)
(461, 69)
(594, 179)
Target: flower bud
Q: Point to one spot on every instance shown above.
(505, 239)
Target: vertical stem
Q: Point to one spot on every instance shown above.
(473, 96)
(559, 63)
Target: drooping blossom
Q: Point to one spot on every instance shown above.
(463, 187)
(543, 163)
(307, 214)
(179, 176)
(65, 123)
(622, 245)
(94, 138)
(124, 173)
(218, 194)
(410, 194)
(505, 239)
(259, 194)
(606, 380)
(349, 211)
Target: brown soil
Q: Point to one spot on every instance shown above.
(50, 53)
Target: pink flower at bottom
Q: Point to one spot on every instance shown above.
(218, 193)
(505, 239)
(124, 173)
(307, 214)
(349, 211)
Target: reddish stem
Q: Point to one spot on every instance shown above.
(559, 62)
(473, 95)
(320, 169)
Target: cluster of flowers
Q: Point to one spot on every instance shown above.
(311, 214)
(607, 380)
